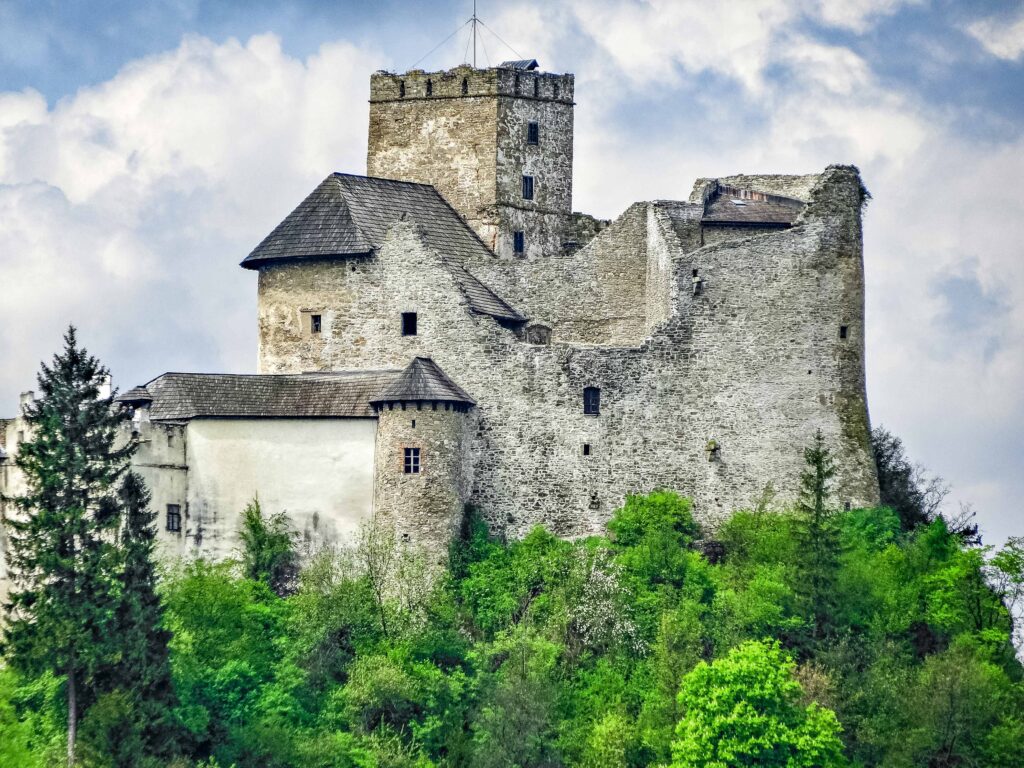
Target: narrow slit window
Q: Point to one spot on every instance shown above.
(533, 133)
(430, 87)
(536, 87)
(401, 89)
(409, 323)
(555, 89)
(527, 187)
(411, 461)
(844, 331)
(592, 401)
(465, 86)
(519, 241)
(174, 518)
(586, 449)
(517, 85)
(315, 323)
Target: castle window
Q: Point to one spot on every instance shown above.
(538, 334)
(411, 461)
(519, 241)
(401, 89)
(170, 439)
(843, 331)
(465, 86)
(592, 401)
(527, 187)
(533, 133)
(174, 518)
(408, 323)
(555, 87)
(517, 85)
(536, 86)
(586, 449)
(430, 87)
(314, 323)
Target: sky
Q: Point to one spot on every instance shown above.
(146, 148)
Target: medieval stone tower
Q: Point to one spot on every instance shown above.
(496, 143)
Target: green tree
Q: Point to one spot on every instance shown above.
(268, 549)
(905, 487)
(140, 681)
(745, 710)
(61, 614)
(818, 536)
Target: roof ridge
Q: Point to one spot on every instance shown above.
(383, 178)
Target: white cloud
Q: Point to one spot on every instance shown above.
(856, 15)
(1003, 38)
(127, 206)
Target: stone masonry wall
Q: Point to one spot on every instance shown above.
(755, 363)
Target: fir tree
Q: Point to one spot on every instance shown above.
(64, 563)
(818, 535)
(143, 670)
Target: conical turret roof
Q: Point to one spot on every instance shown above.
(423, 381)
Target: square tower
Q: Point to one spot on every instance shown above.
(496, 143)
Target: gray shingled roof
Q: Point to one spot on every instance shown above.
(350, 216)
(733, 205)
(527, 64)
(423, 381)
(135, 395)
(183, 396)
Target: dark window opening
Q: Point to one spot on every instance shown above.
(414, 423)
(314, 323)
(465, 86)
(411, 465)
(586, 449)
(519, 242)
(527, 187)
(847, 506)
(174, 517)
(517, 85)
(555, 87)
(536, 86)
(538, 334)
(170, 439)
(843, 331)
(401, 89)
(408, 323)
(592, 401)
(533, 133)
(430, 87)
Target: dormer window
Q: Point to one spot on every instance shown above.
(533, 133)
(592, 401)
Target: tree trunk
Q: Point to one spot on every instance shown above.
(72, 717)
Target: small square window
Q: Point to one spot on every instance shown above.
(527, 187)
(411, 462)
(586, 449)
(592, 401)
(174, 518)
(315, 323)
(519, 242)
(844, 331)
(408, 323)
(533, 133)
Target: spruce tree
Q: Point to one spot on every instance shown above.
(818, 535)
(64, 562)
(143, 669)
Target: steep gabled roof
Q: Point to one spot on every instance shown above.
(184, 396)
(350, 216)
(423, 381)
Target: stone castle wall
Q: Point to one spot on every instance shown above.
(754, 363)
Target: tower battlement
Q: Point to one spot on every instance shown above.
(466, 81)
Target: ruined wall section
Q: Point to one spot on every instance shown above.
(161, 461)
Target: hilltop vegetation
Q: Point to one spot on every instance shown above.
(796, 637)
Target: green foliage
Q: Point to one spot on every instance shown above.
(268, 551)
(745, 710)
(905, 487)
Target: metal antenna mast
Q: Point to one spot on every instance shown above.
(475, 21)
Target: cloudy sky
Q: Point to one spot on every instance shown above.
(145, 148)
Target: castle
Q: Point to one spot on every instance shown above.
(446, 330)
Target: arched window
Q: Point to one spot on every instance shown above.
(465, 86)
(592, 401)
(430, 87)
